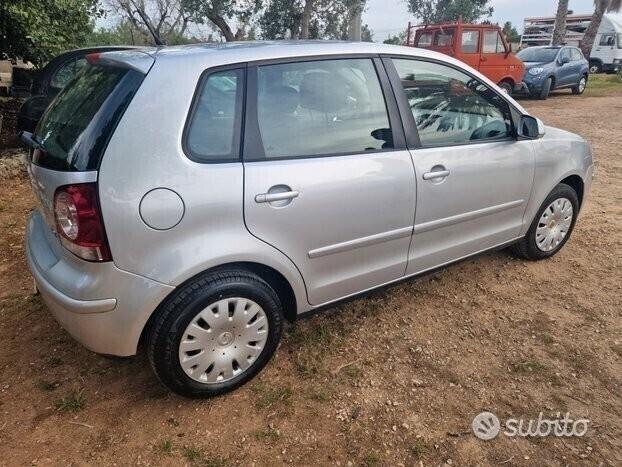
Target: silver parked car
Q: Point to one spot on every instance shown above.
(192, 198)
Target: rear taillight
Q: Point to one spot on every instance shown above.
(79, 221)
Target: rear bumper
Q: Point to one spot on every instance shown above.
(101, 306)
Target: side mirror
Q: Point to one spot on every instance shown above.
(564, 60)
(530, 127)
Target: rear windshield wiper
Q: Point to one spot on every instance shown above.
(30, 140)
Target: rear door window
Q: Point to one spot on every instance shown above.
(76, 127)
(425, 40)
(444, 38)
(319, 108)
(213, 134)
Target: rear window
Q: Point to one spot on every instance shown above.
(76, 128)
(425, 39)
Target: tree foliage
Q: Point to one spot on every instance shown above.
(397, 39)
(510, 32)
(225, 15)
(36, 30)
(439, 11)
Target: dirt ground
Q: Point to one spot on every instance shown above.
(391, 379)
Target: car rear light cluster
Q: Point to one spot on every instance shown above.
(79, 221)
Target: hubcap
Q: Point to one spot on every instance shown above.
(582, 85)
(223, 340)
(554, 224)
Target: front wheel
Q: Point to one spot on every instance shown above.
(506, 87)
(552, 225)
(215, 333)
(580, 87)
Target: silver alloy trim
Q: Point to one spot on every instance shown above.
(361, 242)
(554, 224)
(467, 216)
(223, 340)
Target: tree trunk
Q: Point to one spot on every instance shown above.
(222, 25)
(355, 20)
(590, 33)
(559, 33)
(306, 19)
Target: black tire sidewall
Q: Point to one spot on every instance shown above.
(560, 191)
(577, 89)
(166, 340)
(507, 86)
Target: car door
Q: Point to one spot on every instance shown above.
(493, 58)
(565, 73)
(605, 48)
(469, 47)
(328, 179)
(474, 177)
(578, 65)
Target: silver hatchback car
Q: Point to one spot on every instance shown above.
(192, 198)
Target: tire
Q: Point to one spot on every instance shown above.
(507, 87)
(528, 247)
(546, 89)
(238, 296)
(596, 67)
(580, 87)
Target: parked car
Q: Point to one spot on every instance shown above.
(554, 67)
(482, 46)
(271, 180)
(48, 82)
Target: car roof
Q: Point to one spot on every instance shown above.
(266, 50)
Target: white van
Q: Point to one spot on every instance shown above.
(607, 50)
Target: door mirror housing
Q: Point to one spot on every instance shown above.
(564, 60)
(530, 127)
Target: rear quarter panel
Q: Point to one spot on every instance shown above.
(146, 153)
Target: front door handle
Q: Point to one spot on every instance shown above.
(272, 197)
(436, 174)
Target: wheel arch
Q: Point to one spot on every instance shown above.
(577, 184)
(274, 278)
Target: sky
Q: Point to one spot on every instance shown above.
(386, 17)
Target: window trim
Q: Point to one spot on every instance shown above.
(239, 121)
(253, 150)
(413, 140)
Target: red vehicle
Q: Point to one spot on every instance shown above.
(482, 46)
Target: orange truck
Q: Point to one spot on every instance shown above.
(482, 46)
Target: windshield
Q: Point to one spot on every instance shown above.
(544, 55)
(75, 129)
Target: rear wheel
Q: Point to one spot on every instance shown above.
(552, 225)
(595, 67)
(215, 333)
(546, 89)
(580, 87)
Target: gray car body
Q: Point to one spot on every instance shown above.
(397, 224)
(564, 74)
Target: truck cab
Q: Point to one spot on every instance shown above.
(482, 46)
(606, 52)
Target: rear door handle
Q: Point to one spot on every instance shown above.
(271, 197)
(436, 174)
